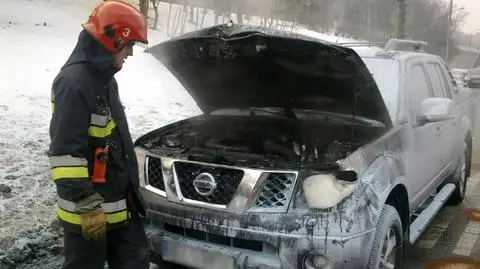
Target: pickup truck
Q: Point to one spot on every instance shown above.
(308, 154)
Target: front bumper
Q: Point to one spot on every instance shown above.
(280, 250)
(197, 254)
(202, 235)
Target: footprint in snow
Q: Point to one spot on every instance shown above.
(5, 188)
(6, 195)
(18, 164)
(41, 24)
(10, 177)
(32, 144)
(13, 170)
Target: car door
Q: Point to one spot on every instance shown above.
(447, 127)
(455, 134)
(424, 149)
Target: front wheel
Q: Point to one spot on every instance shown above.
(387, 247)
(460, 178)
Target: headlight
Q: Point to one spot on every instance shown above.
(324, 191)
(316, 260)
(141, 155)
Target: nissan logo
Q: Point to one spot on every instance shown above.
(205, 184)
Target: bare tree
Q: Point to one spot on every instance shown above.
(425, 20)
(433, 29)
(155, 4)
(240, 13)
(402, 11)
(204, 12)
(144, 7)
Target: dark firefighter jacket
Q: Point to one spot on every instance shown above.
(87, 113)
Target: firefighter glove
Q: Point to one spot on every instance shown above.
(94, 225)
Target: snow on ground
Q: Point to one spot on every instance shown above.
(31, 54)
(36, 37)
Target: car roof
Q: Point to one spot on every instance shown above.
(389, 54)
(395, 49)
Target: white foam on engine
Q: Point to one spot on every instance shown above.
(325, 191)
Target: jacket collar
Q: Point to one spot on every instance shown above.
(89, 50)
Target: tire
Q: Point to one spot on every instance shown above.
(460, 178)
(389, 226)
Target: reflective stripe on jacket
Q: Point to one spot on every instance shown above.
(115, 212)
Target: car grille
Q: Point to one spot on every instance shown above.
(227, 181)
(276, 190)
(154, 173)
(214, 238)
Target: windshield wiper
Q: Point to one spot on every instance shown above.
(352, 118)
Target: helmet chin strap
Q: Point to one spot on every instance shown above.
(117, 67)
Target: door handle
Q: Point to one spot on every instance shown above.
(439, 131)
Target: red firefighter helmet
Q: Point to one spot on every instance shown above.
(115, 23)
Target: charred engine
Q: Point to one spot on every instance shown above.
(246, 140)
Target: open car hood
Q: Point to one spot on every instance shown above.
(238, 66)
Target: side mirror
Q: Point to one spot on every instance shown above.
(435, 109)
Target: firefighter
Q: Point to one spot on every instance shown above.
(92, 160)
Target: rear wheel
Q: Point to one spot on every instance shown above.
(387, 248)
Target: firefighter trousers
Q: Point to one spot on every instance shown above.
(125, 247)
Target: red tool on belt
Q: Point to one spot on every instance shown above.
(100, 165)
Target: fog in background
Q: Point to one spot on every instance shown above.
(373, 20)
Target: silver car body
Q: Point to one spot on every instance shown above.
(407, 162)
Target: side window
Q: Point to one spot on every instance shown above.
(418, 88)
(437, 84)
(450, 76)
(443, 77)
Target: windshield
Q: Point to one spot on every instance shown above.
(385, 73)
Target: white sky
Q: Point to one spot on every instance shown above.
(472, 21)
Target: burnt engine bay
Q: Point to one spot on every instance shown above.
(258, 142)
